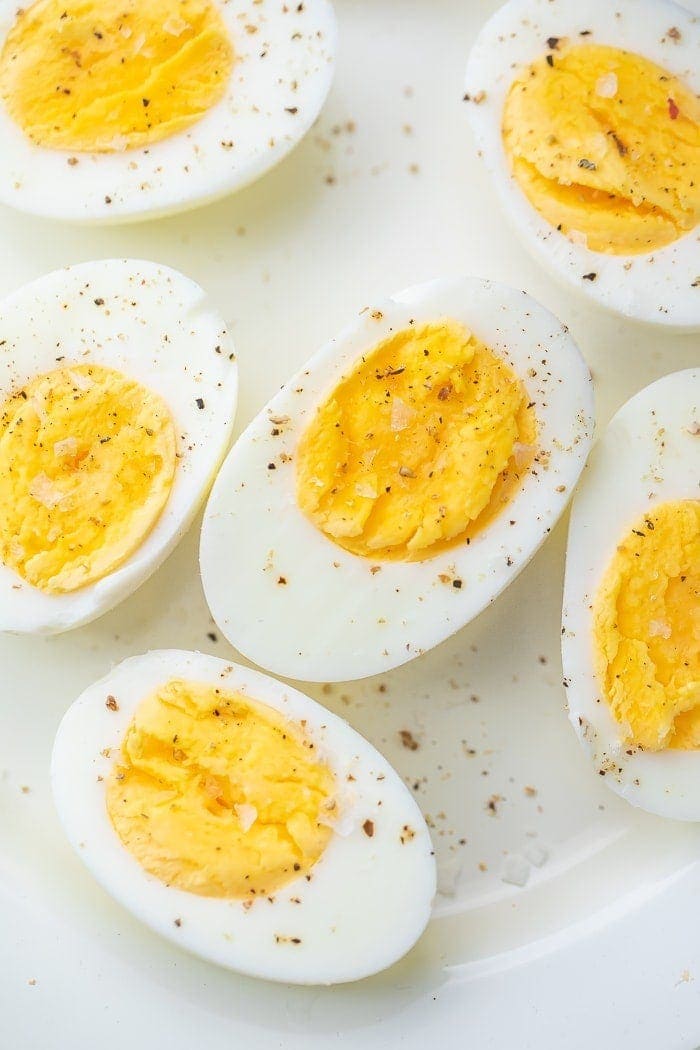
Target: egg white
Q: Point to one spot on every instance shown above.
(334, 618)
(369, 898)
(158, 327)
(657, 287)
(647, 456)
(286, 65)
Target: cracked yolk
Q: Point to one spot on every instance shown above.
(85, 76)
(420, 447)
(646, 624)
(606, 146)
(87, 460)
(218, 794)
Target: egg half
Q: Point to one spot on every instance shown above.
(631, 623)
(118, 384)
(239, 819)
(113, 111)
(587, 117)
(398, 483)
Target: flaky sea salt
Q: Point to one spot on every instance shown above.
(606, 86)
(659, 629)
(522, 453)
(247, 815)
(449, 872)
(67, 447)
(366, 489)
(516, 870)
(43, 490)
(175, 26)
(401, 414)
(536, 854)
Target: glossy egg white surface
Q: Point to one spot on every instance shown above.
(369, 897)
(659, 287)
(335, 618)
(281, 75)
(158, 327)
(649, 454)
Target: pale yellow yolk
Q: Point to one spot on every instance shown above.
(646, 623)
(87, 459)
(418, 448)
(101, 75)
(218, 794)
(606, 146)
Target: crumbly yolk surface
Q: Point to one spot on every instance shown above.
(418, 448)
(89, 76)
(218, 794)
(646, 624)
(606, 146)
(87, 459)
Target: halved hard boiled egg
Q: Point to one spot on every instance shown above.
(398, 483)
(588, 119)
(241, 820)
(631, 625)
(118, 385)
(112, 111)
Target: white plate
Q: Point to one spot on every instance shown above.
(601, 946)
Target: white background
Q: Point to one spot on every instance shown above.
(602, 945)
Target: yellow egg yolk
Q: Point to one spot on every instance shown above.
(89, 76)
(606, 146)
(418, 448)
(218, 794)
(87, 459)
(646, 624)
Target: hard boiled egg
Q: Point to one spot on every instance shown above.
(631, 627)
(123, 110)
(398, 483)
(588, 119)
(241, 820)
(118, 387)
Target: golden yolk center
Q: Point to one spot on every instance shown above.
(418, 448)
(218, 794)
(646, 629)
(92, 77)
(87, 459)
(606, 146)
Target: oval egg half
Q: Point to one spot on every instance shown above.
(587, 118)
(118, 386)
(120, 111)
(239, 819)
(631, 622)
(398, 483)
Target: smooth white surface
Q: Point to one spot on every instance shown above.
(656, 287)
(337, 616)
(649, 455)
(601, 947)
(367, 900)
(278, 84)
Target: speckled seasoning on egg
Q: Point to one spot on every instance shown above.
(241, 820)
(631, 622)
(398, 483)
(118, 384)
(118, 111)
(588, 120)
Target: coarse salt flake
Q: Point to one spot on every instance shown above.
(43, 490)
(401, 414)
(606, 86)
(247, 815)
